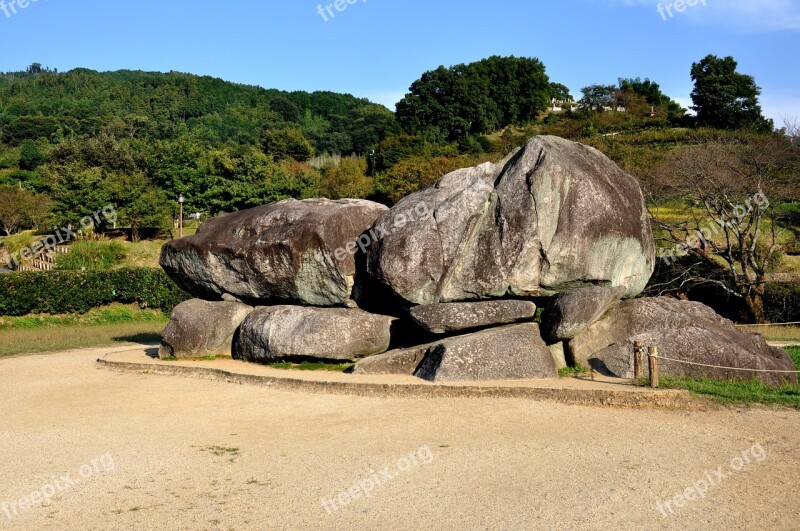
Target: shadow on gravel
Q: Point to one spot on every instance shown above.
(147, 338)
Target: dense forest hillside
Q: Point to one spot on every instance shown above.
(43, 104)
(84, 139)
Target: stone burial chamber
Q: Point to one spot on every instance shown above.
(452, 295)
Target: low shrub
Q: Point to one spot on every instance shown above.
(62, 292)
(91, 256)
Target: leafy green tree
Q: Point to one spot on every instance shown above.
(597, 97)
(725, 98)
(560, 92)
(287, 110)
(20, 209)
(453, 103)
(30, 157)
(29, 128)
(416, 173)
(287, 143)
(348, 179)
(138, 203)
(651, 92)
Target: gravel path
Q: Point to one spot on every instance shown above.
(141, 451)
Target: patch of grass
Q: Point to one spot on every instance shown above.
(311, 366)
(142, 254)
(16, 242)
(107, 315)
(568, 372)
(738, 392)
(794, 353)
(91, 256)
(742, 392)
(116, 325)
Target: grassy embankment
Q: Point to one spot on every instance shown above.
(116, 324)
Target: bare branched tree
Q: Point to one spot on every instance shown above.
(731, 229)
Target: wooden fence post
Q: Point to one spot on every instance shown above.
(653, 358)
(638, 360)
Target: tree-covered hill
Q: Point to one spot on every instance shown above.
(80, 140)
(46, 105)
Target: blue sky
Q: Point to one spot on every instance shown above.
(376, 48)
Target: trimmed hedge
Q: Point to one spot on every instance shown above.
(61, 292)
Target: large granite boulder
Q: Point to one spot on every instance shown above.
(509, 353)
(276, 333)
(556, 216)
(574, 311)
(292, 251)
(684, 331)
(399, 361)
(456, 316)
(198, 329)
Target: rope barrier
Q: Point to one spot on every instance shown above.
(727, 368)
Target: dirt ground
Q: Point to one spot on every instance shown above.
(121, 451)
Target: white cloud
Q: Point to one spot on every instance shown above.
(743, 15)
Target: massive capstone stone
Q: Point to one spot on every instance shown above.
(275, 333)
(291, 251)
(684, 331)
(558, 215)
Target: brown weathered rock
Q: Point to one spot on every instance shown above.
(456, 316)
(574, 311)
(276, 333)
(399, 361)
(682, 330)
(559, 215)
(199, 328)
(508, 353)
(293, 251)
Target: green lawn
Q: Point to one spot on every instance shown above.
(742, 392)
(311, 366)
(112, 325)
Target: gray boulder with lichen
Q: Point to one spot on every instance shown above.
(556, 216)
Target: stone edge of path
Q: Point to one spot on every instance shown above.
(644, 399)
